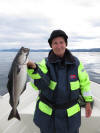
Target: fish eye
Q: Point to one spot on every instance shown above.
(25, 50)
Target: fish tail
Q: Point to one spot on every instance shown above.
(13, 114)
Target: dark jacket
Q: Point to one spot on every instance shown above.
(63, 72)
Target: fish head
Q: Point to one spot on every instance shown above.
(22, 55)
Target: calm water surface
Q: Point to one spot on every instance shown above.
(91, 61)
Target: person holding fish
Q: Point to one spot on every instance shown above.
(61, 79)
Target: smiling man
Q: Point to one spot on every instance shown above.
(60, 79)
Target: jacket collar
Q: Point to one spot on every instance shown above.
(68, 57)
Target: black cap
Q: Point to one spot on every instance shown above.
(57, 33)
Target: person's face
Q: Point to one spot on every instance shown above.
(59, 46)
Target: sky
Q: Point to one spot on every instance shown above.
(29, 23)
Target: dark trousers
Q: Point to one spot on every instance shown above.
(77, 131)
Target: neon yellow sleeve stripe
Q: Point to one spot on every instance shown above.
(84, 83)
(30, 71)
(42, 66)
(52, 85)
(84, 78)
(32, 75)
(88, 98)
(33, 85)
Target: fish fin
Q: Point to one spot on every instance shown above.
(24, 89)
(12, 115)
(18, 69)
(9, 86)
(17, 115)
(10, 74)
(10, 83)
(11, 101)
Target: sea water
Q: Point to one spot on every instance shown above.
(90, 60)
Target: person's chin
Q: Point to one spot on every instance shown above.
(60, 55)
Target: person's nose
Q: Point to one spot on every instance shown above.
(58, 45)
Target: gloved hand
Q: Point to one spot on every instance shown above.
(31, 64)
(88, 110)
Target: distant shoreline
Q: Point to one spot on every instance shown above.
(47, 50)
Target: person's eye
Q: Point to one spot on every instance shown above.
(55, 43)
(61, 42)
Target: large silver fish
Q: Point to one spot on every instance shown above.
(17, 78)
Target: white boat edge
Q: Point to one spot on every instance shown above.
(26, 110)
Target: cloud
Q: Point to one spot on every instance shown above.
(25, 30)
(79, 38)
(30, 22)
(95, 22)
